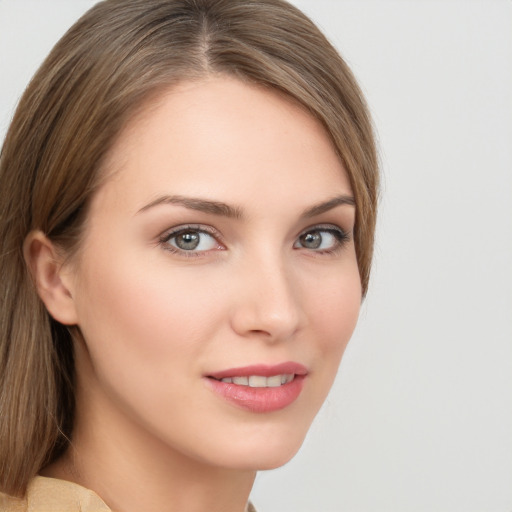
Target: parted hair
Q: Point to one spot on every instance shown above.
(96, 78)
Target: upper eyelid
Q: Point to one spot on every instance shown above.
(325, 227)
(210, 230)
(202, 228)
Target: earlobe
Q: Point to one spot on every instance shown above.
(46, 268)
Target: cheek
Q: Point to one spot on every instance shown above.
(137, 312)
(334, 307)
(333, 314)
(135, 288)
(338, 313)
(146, 326)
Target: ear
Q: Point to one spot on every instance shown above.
(47, 269)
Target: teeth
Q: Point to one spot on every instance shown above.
(274, 381)
(258, 381)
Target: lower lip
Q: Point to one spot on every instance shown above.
(259, 399)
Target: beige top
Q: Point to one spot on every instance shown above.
(53, 495)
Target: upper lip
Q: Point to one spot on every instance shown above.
(263, 370)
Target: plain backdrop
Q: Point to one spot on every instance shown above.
(420, 418)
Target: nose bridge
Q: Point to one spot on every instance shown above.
(268, 304)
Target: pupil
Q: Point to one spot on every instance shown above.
(187, 241)
(311, 240)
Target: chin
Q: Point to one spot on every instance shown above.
(261, 460)
(275, 461)
(262, 451)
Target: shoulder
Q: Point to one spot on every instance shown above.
(10, 504)
(52, 495)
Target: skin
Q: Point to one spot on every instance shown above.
(150, 434)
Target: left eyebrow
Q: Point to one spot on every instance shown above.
(201, 205)
(325, 206)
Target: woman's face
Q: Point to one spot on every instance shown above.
(217, 285)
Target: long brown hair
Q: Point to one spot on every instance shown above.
(104, 68)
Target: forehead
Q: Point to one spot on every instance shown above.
(223, 137)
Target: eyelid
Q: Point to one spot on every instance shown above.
(342, 237)
(203, 228)
(168, 234)
(326, 227)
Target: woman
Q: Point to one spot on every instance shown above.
(187, 220)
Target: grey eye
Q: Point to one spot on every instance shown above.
(321, 239)
(193, 240)
(312, 240)
(187, 241)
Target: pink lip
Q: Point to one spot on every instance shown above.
(261, 369)
(259, 400)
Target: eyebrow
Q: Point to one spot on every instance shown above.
(200, 205)
(325, 206)
(235, 212)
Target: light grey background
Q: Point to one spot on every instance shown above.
(420, 418)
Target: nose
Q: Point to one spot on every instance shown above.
(267, 301)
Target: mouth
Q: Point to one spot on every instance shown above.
(260, 388)
(260, 381)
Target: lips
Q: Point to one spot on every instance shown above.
(260, 388)
(261, 369)
(260, 381)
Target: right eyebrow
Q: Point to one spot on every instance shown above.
(325, 206)
(197, 204)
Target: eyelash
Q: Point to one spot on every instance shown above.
(341, 237)
(168, 236)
